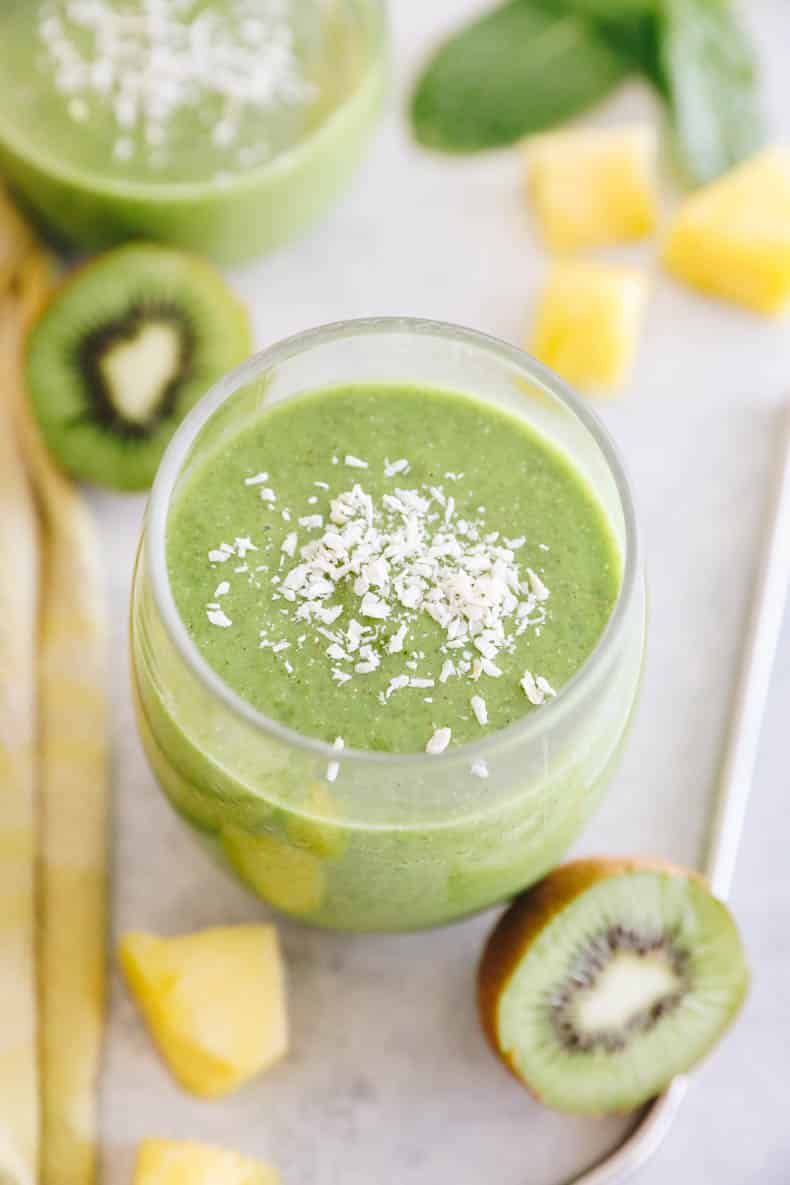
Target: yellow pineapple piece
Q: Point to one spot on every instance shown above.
(288, 877)
(732, 238)
(175, 1162)
(593, 186)
(319, 829)
(214, 1002)
(588, 322)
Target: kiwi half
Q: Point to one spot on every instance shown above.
(122, 352)
(607, 979)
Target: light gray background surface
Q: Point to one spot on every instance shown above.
(389, 1082)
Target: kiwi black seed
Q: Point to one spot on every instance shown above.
(608, 979)
(122, 352)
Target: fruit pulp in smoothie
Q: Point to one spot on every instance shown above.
(392, 570)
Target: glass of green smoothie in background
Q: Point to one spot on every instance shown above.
(388, 622)
(225, 126)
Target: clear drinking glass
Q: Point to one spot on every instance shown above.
(94, 184)
(395, 842)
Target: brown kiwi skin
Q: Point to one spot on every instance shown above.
(530, 913)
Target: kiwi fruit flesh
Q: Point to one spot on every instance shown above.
(607, 979)
(122, 352)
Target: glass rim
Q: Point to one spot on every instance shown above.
(530, 726)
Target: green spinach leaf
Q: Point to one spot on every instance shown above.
(709, 79)
(631, 27)
(524, 67)
(530, 64)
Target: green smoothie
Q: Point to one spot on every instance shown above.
(396, 647)
(399, 571)
(222, 125)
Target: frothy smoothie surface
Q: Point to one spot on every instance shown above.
(391, 568)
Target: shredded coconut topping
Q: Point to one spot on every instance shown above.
(149, 61)
(439, 741)
(536, 688)
(393, 468)
(333, 769)
(448, 669)
(480, 710)
(370, 570)
(408, 555)
(217, 617)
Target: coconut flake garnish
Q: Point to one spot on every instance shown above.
(217, 617)
(243, 546)
(480, 709)
(439, 741)
(373, 606)
(395, 644)
(479, 768)
(393, 468)
(538, 587)
(536, 688)
(330, 614)
(142, 65)
(371, 570)
(257, 480)
(448, 669)
(333, 769)
(402, 557)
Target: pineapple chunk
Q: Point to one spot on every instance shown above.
(593, 186)
(732, 238)
(319, 830)
(172, 1162)
(588, 322)
(214, 1002)
(290, 878)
